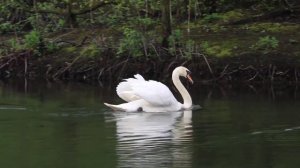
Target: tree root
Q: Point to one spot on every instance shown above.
(206, 69)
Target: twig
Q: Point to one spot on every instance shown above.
(184, 63)
(252, 88)
(248, 67)
(62, 70)
(25, 66)
(273, 72)
(296, 75)
(207, 63)
(223, 72)
(8, 62)
(68, 42)
(100, 73)
(282, 73)
(123, 67)
(155, 50)
(180, 53)
(253, 76)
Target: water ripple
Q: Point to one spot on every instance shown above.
(276, 130)
(12, 108)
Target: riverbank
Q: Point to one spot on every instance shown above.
(213, 48)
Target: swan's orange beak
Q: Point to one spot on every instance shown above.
(190, 78)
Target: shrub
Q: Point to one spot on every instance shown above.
(6, 27)
(174, 41)
(32, 40)
(132, 43)
(266, 44)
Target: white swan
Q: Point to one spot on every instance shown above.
(153, 96)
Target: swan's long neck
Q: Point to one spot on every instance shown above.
(187, 100)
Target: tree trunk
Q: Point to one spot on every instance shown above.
(166, 22)
(71, 17)
(71, 20)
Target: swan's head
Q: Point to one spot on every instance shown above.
(183, 71)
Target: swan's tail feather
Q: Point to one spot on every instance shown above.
(139, 77)
(114, 107)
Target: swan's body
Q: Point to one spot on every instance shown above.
(152, 96)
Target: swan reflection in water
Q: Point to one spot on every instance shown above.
(154, 139)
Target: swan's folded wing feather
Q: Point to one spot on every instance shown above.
(154, 93)
(125, 91)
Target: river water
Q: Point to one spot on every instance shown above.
(66, 125)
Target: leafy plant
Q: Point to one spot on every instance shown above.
(174, 41)
(131, 43)
(266, 44)
(6, 27)
(32, 40)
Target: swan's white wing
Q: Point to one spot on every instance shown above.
(154, 92)
(125, 91)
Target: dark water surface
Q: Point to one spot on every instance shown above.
(66, 125)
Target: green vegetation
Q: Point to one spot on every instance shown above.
(131, 44)
(33, 40)
(90, 51)
(266, 44)
(216, 50)
(272, 27)
(225, 17)
(51, 31)
(6, 27)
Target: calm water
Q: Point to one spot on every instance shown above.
(65, 125)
